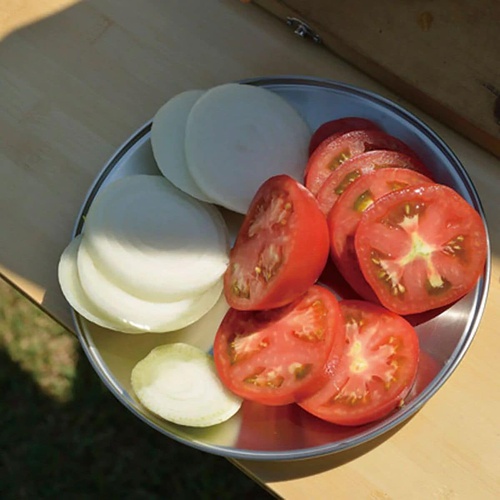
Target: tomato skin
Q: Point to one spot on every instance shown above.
(376, 370)
(337, 127)
(421, 248)
(281, 247)
(333, 151)
(345, 215)
(276, 357)
(359, 165)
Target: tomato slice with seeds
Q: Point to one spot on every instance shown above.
(276, 357)
(271, 263)
(345, 215)
(335, 150)
(359, 165)
(376, 371)
(421, 247)
(337, 127)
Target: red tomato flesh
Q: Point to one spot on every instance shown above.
(338, 127)
(359, 165)
(345, 215)
(335, 150)
(277, 357)
(420, 248)
(280, 250)
(376, 370)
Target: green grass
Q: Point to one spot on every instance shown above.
(63, 433)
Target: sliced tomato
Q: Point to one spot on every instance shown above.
(376, 370)
(277, 357)
(421, 247)
(280, 250)
(334, 151)
(345, 215)
(359, 165)
(338, 127)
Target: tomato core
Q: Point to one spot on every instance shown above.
(370, 365)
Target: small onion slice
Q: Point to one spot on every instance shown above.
(167, 142)
(154, 241)
(179, 383)
(130, 310)
(237, 136)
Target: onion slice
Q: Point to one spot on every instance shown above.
(237, 136)
(154, 241)
(167, 142)
(72, 290)
(146, 315)
(179, 383)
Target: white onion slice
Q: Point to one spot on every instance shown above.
(237, 136)
(69, 281)
(167, 142)
(143, 314)
(179, 383)
(155, 241)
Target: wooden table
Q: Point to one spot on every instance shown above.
(77, 78)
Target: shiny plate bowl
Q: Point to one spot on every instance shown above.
(289, 433)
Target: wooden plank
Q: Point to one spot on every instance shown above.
(442, 56)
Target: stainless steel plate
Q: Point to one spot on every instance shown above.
(288, 433)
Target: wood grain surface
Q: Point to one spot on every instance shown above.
(441, 55)
(78, 78)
